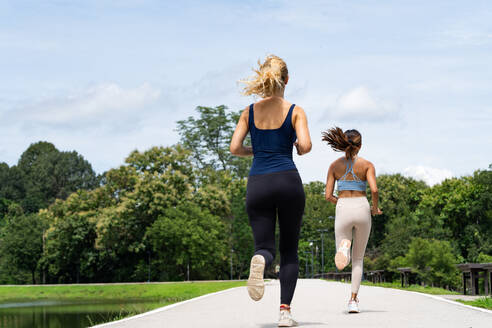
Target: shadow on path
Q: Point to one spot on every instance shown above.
(301, 324)
(362, 312)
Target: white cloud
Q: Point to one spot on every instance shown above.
(91, 104)
(430, 175)
(360, 104)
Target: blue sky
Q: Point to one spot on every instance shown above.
(106, 77)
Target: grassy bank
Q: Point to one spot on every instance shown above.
(165, 292)
(483, 302)
(413, 288)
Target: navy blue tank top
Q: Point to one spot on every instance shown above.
(272, 148)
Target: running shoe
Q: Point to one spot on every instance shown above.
(285, 319)
(256, 284)
(342, 258)
(353, 306)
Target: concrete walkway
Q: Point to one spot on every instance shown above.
(316, 303)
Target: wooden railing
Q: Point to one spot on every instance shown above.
(475, 271)
(471, 273)
(374, 276)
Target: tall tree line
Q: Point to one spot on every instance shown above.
(178, 212)
(42, 174)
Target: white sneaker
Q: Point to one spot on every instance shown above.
(353, 306)
(286, 320)
(342, 258)
(256, 284)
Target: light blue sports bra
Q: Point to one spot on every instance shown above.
(355, 184)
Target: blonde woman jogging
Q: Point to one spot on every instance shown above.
(353, 214)
(274, 186)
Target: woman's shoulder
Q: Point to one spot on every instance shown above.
(298, 113)
(339, 162)
(366, 163)
(298, 110)
(245, 113)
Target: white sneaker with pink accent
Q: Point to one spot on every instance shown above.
(342, 257)
(353, 306)
(285, 319)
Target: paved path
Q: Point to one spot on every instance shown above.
(316, 303)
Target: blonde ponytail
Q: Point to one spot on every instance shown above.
(269, 78)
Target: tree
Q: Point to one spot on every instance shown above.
(398, 197)
(21, 241)
(241, 236)
(70, 248)
(189, 238)
(208, 137)
(481, 209)
(49, 174)
(459, 210)
(153, 181)
(434, 261)
(11, 183)
(318, 215)
(4, 206)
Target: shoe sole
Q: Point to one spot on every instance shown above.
(341, 261)
(353, 311)
(288, 324)
(256, 284)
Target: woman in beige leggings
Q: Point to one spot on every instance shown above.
(353, 214)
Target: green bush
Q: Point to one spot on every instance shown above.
(433, 261)
(484, 258)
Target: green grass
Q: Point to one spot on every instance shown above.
(483, 302)
(413, 288)
(166, 292)
(119, 316)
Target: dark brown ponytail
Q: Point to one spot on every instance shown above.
(349, 141)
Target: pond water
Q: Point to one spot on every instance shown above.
(63, 314)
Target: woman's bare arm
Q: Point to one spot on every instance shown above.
(330, 185)
(237, 148)
(371, 179)
(303, 143)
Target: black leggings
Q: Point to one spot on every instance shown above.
(267, 195)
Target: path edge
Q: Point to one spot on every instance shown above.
(440, 298)
(165, 308)
(436, 297)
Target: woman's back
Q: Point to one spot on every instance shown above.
(273, 141)
(271, 113)
(359, 166)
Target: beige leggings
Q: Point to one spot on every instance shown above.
(354, 213)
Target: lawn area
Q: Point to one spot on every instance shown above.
(413, 288)
(161, 292)
(483, 302)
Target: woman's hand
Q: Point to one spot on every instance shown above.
(376, 211)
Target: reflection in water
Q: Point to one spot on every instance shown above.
(62, 314)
